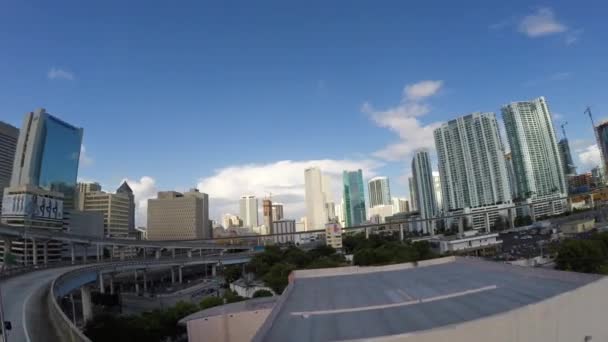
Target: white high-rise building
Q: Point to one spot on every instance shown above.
(437, 186)
(316, 215)
(471, 162)
(379, 191)
(423, 187)
(249, 211)
(472, 166)
(535, 154)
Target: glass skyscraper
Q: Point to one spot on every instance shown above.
(47, 156)
(379, 192)
(602, 142)
(424, 188)
(354, 198)
(567, 162)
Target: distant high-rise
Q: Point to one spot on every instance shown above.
(176, 216)
(413, 196)
(471, 162)
(267, 211)
(354, 198)
(602, 137)
(511, 174)
(423, 187)
(47, 155)
(400, 205)
(536, 159)
(277, 211)
(249, 211)
(8, 144)
(117, 208)
(437, 187)
(379, 191)
(316, 216)
(125, 189)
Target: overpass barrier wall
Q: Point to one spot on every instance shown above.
(64, 328)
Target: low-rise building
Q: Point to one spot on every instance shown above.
(246, 288)
(284, 227)
(333, 235)
(471, 242)
(577, 227)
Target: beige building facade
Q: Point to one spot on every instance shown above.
(116, 208)
(177, 216)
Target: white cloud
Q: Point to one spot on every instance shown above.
(143, 189)
(85, 159)
(420, 90)
(589, 157)
(541, 23)
(403, 120)
(60, 74)
(284, 179)
(573, 36)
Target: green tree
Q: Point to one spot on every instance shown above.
(262, 293)
(587, 256)
(277, 277)
(210, 302)
(232, 273)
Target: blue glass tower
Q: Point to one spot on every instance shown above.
(354, 198)
(47, 156)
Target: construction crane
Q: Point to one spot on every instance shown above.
(563, 125)
(588, 112)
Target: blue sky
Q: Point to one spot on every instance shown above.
(239, 97)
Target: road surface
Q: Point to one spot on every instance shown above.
(23, 298)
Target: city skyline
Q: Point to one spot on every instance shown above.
(390, 106)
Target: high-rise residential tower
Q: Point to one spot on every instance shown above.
(177, 216)
(413, 195)
(47, 155)
(277, 211)
(471, 162)
(602, 141)
(379, 191)
(316, 215)
(8, 144)
(267, 211)
(249, 211)
(354, 198)
(437, 187)
(536, 159)
(423, 187)
(400, 205)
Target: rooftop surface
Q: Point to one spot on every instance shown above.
(388, 302)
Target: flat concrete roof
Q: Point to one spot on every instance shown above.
(246, 305)
(374, 302)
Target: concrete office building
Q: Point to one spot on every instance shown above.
(8, 145)
(379, 213)
(84, 223)
(267, 211)
(354, 198)
(536, 158)
(413, 195)
(281, 227)
(379, 191)
(35, 208)
(316, 216)
(249, 211)
(230, 221)
(125, 189)
(117, 209)
(47, 155)
(424, 189)
(400, 205)
(277, 211)
(472, 163)
(177, 216)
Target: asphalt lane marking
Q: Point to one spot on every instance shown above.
(306, 314)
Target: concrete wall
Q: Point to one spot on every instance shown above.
(569, 317)
(240, 326)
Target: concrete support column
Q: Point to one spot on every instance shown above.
(172, 275)
(84, 257)
(173, 253)
(97, 247)
(461, 226)
(213, 270)
(34, 252)
(190, 253)
(122, 254)
(367, 232)
(87, 307)
(145, 282)
(553, 206)
(180, 274)
(136, 283)
(532, 214)
(487, 221)
(45, 252)
(401, 235)
(102, 288)
(510, 217)
(112, 252)
(72, 253)
(144, 252)
(111, 284)
(200, 252)
(157, 253)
